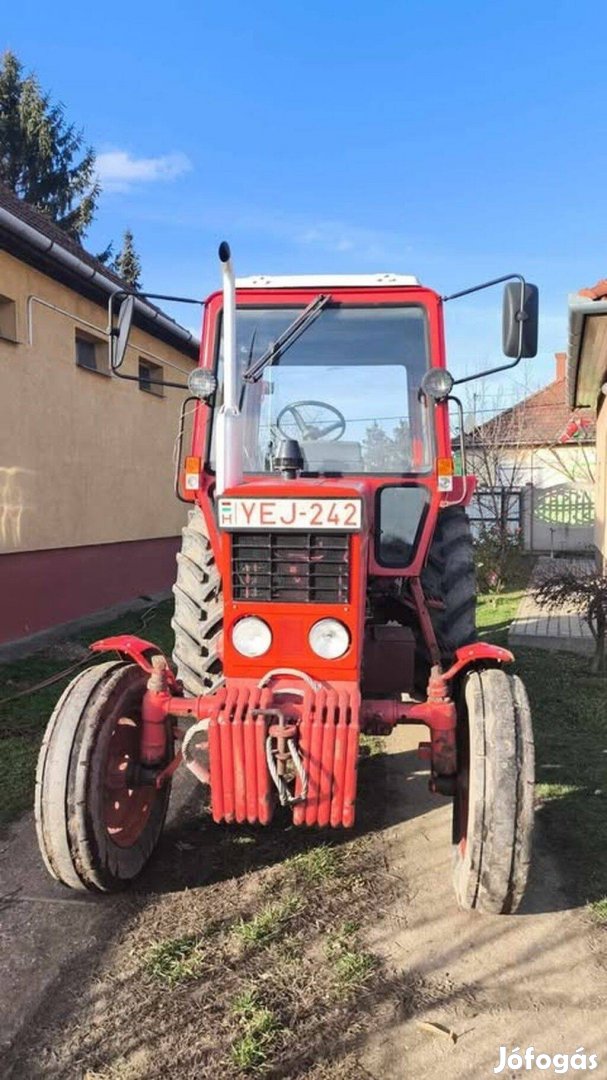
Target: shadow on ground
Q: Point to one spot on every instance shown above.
(203, 873)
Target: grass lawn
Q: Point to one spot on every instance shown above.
(569, 710)
(23, 720)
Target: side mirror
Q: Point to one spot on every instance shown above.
(120, 336)
(519, 320)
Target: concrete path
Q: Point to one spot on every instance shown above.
(531, 979)
(562, 628)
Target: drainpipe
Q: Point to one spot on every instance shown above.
(229, 420)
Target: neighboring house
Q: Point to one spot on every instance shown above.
(88, 518)
(588, 385)
(536, 464)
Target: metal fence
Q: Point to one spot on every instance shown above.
(557, 518)
(500, 507)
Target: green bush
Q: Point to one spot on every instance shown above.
(497, 554)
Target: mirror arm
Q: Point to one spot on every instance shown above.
(152, 382)
(491, 371)
(488, 285)
(122, 293)
(520, 317)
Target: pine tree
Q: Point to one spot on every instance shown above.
(401, 438)
(377, 449)
(39, 152)
(127, 263)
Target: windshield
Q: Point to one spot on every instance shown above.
(347, 389)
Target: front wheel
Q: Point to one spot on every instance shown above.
(97, 827)
(493, 807)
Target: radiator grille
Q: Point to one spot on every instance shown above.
(291, 567)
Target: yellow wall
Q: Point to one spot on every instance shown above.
(84, 458)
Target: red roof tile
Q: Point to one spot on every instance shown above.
(30, 215)
(596, 292)
(542, 419)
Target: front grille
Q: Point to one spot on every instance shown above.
(291, 567)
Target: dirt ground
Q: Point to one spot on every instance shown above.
(78, 1000)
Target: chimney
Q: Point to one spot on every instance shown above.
(561, 366)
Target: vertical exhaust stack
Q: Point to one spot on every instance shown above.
(229, 420)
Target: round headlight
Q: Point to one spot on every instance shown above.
(437, 383)
(329, 638)
(251, 636)
(202, 383)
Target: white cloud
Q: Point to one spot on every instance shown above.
(120, 171)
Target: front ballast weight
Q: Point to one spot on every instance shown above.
(108, 757)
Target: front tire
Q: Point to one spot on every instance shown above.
(493, 806)
(96, 829)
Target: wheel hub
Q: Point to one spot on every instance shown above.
(126, 804)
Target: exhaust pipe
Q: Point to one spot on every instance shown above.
(229, 420)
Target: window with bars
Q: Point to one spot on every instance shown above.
(8, 318)
(150, 377)
(91, 352)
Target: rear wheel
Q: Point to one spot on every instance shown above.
(96, 826)
(198, 616)
(449, 577)
(493, 806)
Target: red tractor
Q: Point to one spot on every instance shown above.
(325, 588)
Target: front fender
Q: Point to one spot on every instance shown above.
(478, 652)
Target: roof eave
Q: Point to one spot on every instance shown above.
(583, 381)
(49, 253)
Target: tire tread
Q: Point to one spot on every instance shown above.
(198, 613)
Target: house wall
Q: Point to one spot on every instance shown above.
(543, 466)
(600, 526)
(86, 462)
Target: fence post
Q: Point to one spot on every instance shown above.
(527, 516)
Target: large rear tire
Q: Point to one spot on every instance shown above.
(96, 828)
(198, 616)
(493, 806)
(449, 577)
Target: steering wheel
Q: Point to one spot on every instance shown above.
(304, 420)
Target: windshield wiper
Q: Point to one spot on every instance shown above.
(287, 338)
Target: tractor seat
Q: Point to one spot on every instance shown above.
(332, 456)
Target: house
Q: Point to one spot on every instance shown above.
(587, 360)
(536, 464)
(88, 518)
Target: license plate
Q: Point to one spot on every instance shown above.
(305, 514)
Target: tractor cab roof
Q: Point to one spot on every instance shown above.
(324, 281)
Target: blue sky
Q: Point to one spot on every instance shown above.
(457, 141)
